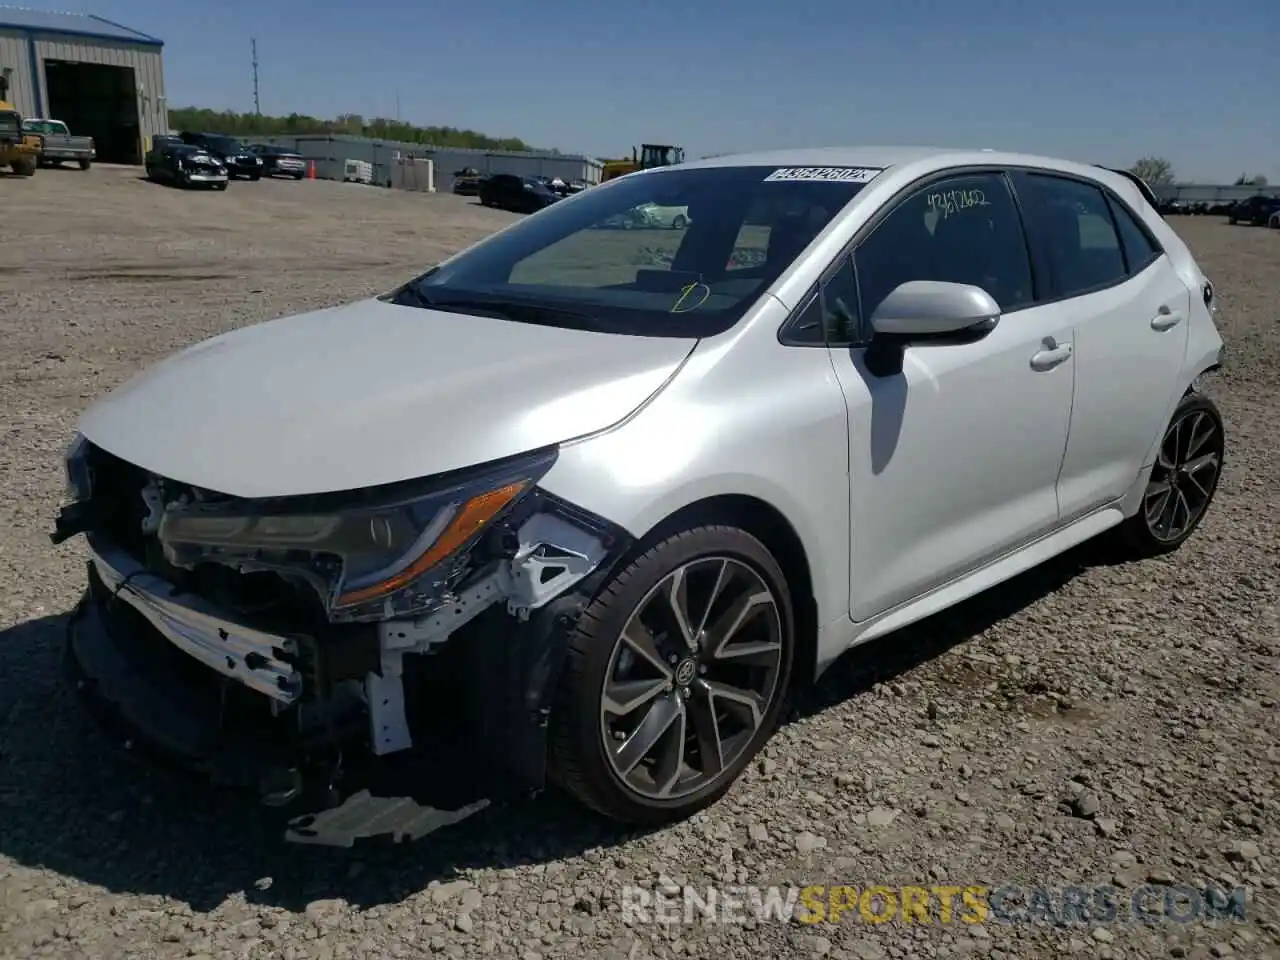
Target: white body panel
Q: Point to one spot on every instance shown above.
(954, 462)
(1127, 378)
(371, 393)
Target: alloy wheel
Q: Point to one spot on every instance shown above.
(1185, 475)
(691, 678)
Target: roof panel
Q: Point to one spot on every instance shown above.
(76, 24)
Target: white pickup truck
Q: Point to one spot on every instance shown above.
(57, 143)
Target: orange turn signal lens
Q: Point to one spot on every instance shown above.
(466, 523)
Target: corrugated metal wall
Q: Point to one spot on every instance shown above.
(15, 61)
(329, 152)
(24, 55)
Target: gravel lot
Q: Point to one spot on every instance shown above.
(1085, 724)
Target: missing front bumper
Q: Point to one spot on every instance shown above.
(163, 698)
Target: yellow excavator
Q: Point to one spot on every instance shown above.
(649, 155)
(17, 150)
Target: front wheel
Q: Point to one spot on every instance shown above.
(255, 177)
(679, 222)
(24, 166)
(676, 676)
(85, 164)
(1183, 480)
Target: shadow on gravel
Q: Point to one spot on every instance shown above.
(70, 804)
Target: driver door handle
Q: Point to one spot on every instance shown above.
(1165, 319)
(1054, 354)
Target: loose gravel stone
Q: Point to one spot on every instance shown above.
(940, 750)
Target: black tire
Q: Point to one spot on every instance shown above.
(85, 164)
(298, 176)
(219, 186)
(577, 756)
(24, 166)
(678, 222)
(1137, 536)
(1231, 220)
(255, 177)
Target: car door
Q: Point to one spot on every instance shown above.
(953, 461)
(1129, 310)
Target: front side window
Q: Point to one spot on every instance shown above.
(1084, 248)
(603, 259)
(963, 229)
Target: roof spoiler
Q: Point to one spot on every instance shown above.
(1147, 193)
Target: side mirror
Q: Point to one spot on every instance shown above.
(931, 308)
(927, 310)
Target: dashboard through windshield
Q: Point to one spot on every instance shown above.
(674, 253)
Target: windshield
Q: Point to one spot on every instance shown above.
(602, 260)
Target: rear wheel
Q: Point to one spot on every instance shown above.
(24, 166)
(1183, 480)
(676, 676)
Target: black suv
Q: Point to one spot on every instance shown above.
(234, 155)
(1254, 211)
(506, 191)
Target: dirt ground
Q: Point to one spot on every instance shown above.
(1085, 724)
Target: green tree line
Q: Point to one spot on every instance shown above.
(297, 124)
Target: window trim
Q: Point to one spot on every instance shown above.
(1023, 174)
(1039, 276)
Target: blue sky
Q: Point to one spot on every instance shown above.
(1097, 80)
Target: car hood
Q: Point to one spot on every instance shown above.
(371, 393)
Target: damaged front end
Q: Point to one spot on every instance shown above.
(405, 638)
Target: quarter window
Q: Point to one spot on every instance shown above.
(1139, 249)
(1083, 246)
(831, 316)
(963, 229)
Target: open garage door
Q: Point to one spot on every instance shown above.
(97, 101)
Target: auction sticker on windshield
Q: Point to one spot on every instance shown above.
(826, 174)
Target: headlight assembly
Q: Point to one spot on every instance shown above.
(377, 551)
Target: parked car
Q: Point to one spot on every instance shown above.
(678, 492)
(507, 191)
(235, 155)
(184, 165)
(466, 182)
(279, 161)
(1255, 211)
(667, 218)
(57, 145)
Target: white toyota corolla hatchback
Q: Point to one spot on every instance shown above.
(584, 506)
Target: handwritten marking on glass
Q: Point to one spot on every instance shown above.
(948, 203)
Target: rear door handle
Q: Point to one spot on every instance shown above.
(1054, 354)
(1165, 319)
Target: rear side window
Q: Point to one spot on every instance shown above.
(1140, 251)
(1082, 243)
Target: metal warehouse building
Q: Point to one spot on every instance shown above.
(101, 79)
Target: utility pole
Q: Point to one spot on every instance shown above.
(253, 47)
